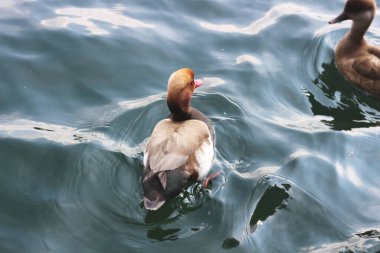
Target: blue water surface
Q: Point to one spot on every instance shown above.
(82, 84)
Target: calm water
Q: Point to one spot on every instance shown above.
(82, 84)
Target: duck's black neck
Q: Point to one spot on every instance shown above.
(177, 114)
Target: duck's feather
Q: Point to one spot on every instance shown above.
(204, 156)
(367, 66)
(175, 153)
(361, 68)
(171, 143)
(375, 50)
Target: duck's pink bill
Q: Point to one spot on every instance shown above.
(198, 82)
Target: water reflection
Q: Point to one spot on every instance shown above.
(159, 234)
(265, 64)
(368, 241)
(370, 234)
(82, 107)
(270, 18)
(348, 107)
(273, 199)
(13, 8)
(248, 58)
(343, 105)
(230, 243)
(85, 17)
(65, 135)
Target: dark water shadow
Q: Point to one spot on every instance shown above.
(282, 213)
(368, 241)
(159, 234)
(189, 200)
(348, 106)
(273, 199)
(230, 243)
(193, 197)
(370, 234)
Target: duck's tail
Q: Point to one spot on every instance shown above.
(154, 196)
(162, 186)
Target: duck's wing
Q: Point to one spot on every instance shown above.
(172, 143)
(171, 158)
(368, 65)
(375, 50)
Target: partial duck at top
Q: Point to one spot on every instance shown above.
(180, 148)
(358, 61)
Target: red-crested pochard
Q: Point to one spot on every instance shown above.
(356, 60)
(181, 147)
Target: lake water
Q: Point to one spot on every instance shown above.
(82, 84)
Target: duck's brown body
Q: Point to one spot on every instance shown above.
(359, 62)
(180, 148)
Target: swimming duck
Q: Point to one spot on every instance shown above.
(356, 60)
(181, 146)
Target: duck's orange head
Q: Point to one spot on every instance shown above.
(181, 86)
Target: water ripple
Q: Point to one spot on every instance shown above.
(271, 17)
(296, 146)
(85, 17)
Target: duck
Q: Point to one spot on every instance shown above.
(358, 61)
(181, 146)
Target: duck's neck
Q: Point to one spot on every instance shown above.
(357, 31)
(177, 114)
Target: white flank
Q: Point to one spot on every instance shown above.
(204, 155)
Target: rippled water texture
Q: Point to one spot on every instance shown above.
(82, 84)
